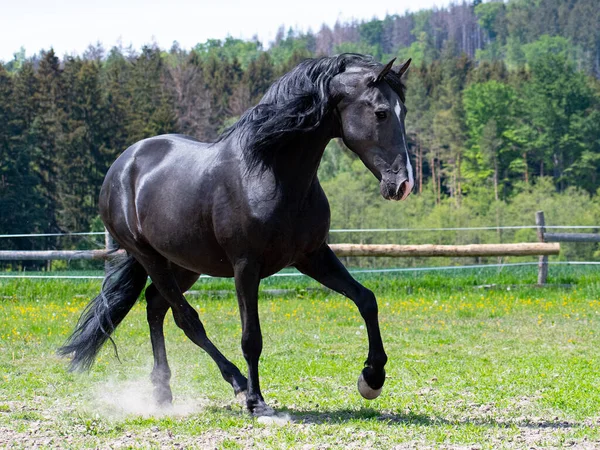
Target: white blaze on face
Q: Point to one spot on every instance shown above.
(409, 169)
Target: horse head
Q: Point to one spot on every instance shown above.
(371, 112)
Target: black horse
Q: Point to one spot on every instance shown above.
(247, 206)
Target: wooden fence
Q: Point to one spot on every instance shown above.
(547, 245)
(544, 237)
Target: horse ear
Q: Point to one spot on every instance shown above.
(404, 67)
(384, 71)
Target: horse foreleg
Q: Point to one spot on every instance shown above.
(323, 266)
(247, 280)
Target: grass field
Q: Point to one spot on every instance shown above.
(511, 366)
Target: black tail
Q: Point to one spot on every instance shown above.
(121, 288)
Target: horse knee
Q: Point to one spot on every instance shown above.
(252, 344)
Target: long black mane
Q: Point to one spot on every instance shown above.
(296, 104)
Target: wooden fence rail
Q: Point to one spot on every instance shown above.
(571, 237)
(540, 221)
(53, 255)
(389, 250)
(428, 250)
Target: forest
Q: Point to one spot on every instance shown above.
(503, 101)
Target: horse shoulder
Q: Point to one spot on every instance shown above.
(312, 224)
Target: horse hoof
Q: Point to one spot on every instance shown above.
(262, 410)
(163, 398)
(367, 391)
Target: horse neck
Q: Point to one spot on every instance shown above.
(296, 169)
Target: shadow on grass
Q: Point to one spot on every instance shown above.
(410, 418)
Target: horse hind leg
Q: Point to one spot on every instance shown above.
(168, 293)
(156, 309)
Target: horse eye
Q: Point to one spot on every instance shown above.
(381, 114)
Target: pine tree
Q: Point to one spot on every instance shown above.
(115, 81)
(82, 162)
(259, 76)
(152, 108)
(559, 100)
(47, 131)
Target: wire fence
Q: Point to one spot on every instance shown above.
(33, 235)
(85, 241)
(355, 271)
(351, 230)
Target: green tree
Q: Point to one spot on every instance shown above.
(229, 49)
(489, 115)
(259, 75)
(336, 160)
(448, 121)
(47, 131)
(151, 106)
(419, 121)
(20, 197)
(558, 101)
(82, 145)
(115, 78)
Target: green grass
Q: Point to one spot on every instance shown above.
(512, 366)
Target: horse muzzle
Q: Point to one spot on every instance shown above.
(395, 191)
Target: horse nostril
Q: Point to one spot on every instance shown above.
(403, 190)
(400, 192)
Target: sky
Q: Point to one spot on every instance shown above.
(69, 26)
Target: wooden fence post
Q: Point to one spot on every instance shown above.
(110, 245)
(543, 261)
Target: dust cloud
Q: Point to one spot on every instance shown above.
(117, 398)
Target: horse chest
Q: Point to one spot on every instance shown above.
(284, 245)
(301, 233)
(274, 232)
(289, 234)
